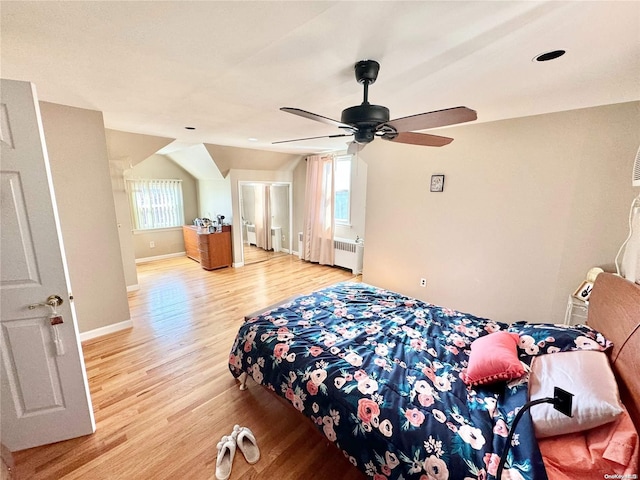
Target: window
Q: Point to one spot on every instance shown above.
(156, 203)
(342, 210)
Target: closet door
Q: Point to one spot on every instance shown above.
(265, 208)
(251, 210)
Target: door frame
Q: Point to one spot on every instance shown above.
(242, 183)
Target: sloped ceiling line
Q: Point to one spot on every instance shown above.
(132, 148)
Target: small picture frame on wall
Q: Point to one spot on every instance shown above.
(437, 183)
(584, 291)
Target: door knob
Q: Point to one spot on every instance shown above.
(52, 301)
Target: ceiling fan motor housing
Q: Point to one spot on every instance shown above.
(366, 114)
(365, 119)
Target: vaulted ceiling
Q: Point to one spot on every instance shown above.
(225, 68)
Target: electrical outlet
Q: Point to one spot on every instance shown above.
(562, 401)
(423, 282)
(152, 244)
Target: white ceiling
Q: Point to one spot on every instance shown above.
(226, 67)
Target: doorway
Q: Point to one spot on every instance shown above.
(266, 220)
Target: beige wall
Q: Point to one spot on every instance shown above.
(229, 158)
(166, 241)
(529, 206)
(299, 175)
(76, 144)
(214, 198)
(125, 150)
(123, 217)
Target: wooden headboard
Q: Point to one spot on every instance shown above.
(614, 311)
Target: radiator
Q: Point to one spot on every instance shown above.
(251, 234)
(347, 253)
(276, 237)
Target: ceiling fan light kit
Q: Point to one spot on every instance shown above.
(365, 122)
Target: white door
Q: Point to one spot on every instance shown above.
(45, 395)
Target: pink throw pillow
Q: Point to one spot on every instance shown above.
(493, 358)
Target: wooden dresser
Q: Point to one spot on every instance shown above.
(212, 250)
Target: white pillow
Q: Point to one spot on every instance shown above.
(588, 376)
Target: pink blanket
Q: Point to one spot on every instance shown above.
(609, 451)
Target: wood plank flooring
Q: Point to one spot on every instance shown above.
(162, 392)
(253, 254)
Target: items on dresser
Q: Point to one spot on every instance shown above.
(212, 250)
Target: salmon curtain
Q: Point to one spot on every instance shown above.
(317, 233)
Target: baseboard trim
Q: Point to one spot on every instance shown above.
(99, 332)
(7, 457)
(238, 264)
(160, 257)
(133, 288)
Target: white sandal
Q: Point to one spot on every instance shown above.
(247, 444)
(226, 452)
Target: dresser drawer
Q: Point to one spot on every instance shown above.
(212, 250)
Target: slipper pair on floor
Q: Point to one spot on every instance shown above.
(242, 438)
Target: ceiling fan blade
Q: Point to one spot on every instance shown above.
(423, 139)
(313, 138)
(316, 117)
(437, 118)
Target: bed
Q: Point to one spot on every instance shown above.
(381, 376)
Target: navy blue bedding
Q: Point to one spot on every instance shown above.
(379, 375)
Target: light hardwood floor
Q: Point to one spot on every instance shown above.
(253, 254)
(162, 392)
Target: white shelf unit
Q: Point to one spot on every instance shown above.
(577, 311)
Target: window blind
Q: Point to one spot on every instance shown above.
(156, 203)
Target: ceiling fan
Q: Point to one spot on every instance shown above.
(366, 121)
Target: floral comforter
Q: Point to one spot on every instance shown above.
(378, 373)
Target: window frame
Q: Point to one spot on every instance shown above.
(347, 159)
(178, 209)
